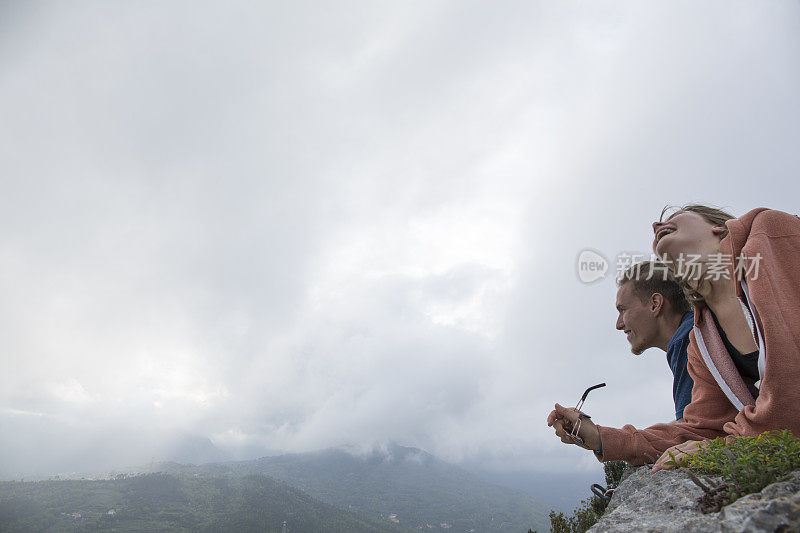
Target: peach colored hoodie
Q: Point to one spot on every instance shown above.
(721, 404)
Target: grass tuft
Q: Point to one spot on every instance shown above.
(745, 464)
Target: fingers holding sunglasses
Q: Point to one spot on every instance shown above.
(561, 431)
(570, 423)
(561, 421)
(562, 427)
(566, 413)
(554, 416)
(565, 432)
(568, 434)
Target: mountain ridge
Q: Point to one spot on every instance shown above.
(408, 484)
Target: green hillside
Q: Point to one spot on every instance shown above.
(412, 484)
(165, 502)
(407, 482)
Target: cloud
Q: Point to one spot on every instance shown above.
(241, 230)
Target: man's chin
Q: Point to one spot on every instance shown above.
(635, 350)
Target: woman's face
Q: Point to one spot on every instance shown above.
(687, 233)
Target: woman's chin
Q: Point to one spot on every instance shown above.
(662, 252)
(667, 250)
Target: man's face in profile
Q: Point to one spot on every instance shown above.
(635, 319)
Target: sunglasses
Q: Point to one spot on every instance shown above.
(573, 434)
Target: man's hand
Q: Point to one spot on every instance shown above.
(563, 419)
(687, 449)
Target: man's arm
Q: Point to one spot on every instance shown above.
(704, 418)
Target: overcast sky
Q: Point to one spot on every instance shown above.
(288, 226)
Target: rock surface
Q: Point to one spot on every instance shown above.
(667, 502)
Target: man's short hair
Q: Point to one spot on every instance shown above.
(650, 277)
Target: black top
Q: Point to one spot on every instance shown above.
(746, 364)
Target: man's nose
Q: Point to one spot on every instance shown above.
(620, 323)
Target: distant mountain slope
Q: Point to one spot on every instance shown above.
(164, 502)
(407, 482)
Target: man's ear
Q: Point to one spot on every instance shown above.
(656, 303)
(718, 230)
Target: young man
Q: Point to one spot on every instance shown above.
(654, 313)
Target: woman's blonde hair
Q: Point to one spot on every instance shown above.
(715, 217)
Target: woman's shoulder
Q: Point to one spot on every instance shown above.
(773, 223)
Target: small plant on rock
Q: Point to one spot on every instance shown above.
(745, 464)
